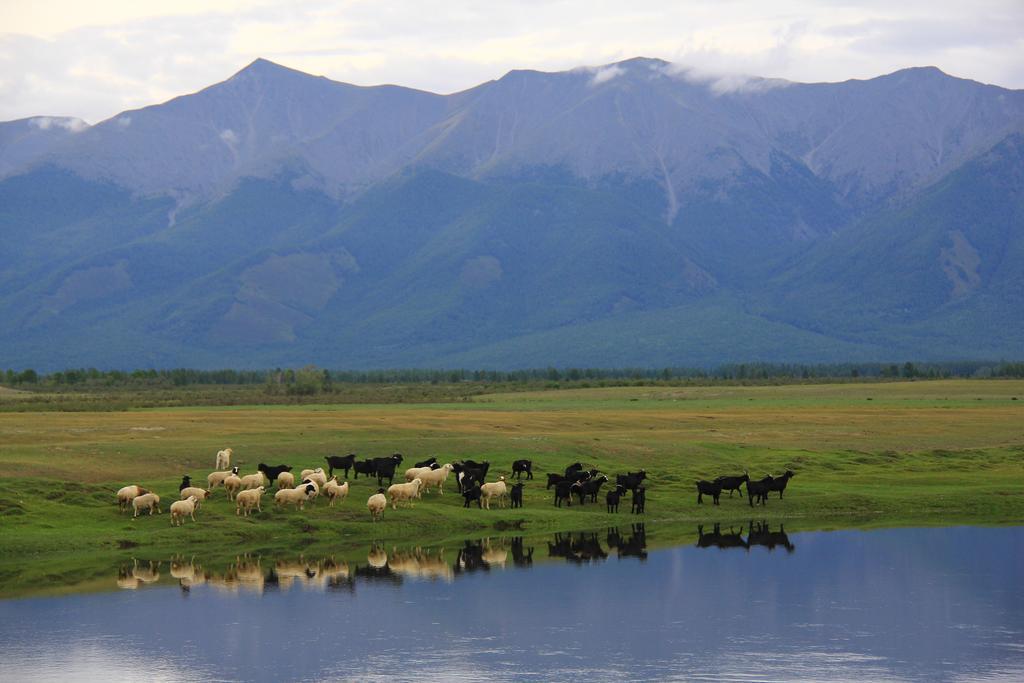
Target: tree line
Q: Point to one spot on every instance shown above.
(312, 379)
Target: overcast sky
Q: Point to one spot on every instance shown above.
(94, 59)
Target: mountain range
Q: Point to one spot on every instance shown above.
(633, 214)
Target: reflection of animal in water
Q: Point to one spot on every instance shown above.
(377, 574)
(760, 534)
(494, 554)
(519, 558)
(377, 557)
(636, 544)
(470, 558)
(719, 540)
(420, 563)
(577, 547)
(146, 573)
(125, 580)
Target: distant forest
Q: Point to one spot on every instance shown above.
(311, 379)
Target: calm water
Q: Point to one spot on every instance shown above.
(908, 604)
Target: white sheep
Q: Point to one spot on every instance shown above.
(495, 489)
(336, 491)
(223, 459)
(232, 485)
(296, 496)
(200, 494)
(436, 478)
(312, 496)
(147, 501)
(252, 481)
(376, 504)
(182, 508)
(247, 499)
(215, 479)
(406, 492)
(316, 475)
(414, 472)
(126, 494)
(286, 480)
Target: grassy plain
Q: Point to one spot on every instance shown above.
(881, 454)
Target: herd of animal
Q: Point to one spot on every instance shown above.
(758, 490)
(470, 480)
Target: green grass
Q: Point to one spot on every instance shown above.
(917, 453)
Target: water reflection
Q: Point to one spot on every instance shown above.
(760, 533)
(902, 604)
(257, 574)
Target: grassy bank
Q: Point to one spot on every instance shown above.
(881, 454)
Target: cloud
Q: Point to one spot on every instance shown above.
(71, 125)
(606, 73)
(229, 137)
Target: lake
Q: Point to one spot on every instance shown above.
(757, 603)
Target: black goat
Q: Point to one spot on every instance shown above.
(520, 467)
(271, 472)
(554, 479)
(779, 483)
(631, 480)
(339, 462)
(708, 488)
(472, 472)
(731, 484)
(582, 475)
(516, 495)
(471, 494)
(186, 481)
(365, 467)
(590, 488)
(612, 497)
(563, 491)
(386, 468)
(429, 462)
(759, 490)
(575, 467)
(639, 500)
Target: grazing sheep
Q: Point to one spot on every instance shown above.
(215, 479)
(709, 488)
(612, 497)
(296, 496)
(339, 462)
(147, 501)
(223, 459)
(286, 480)
(182, 508)
(186, 481)
(249, 498)
(436, 478)
(311, 496)
(376, 504)
(490, 490)
(334, 491)
(200, 494)
(232, 485)
(126, 494)
(414, 472)
(316, 475)
(252, 481)
(405, 492)
(516, 495)
(521, 467)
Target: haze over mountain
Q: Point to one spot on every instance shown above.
(630, 214)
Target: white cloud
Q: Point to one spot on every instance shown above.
(68, 124)
(229, 137)
(607, 73)
(124, 121)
